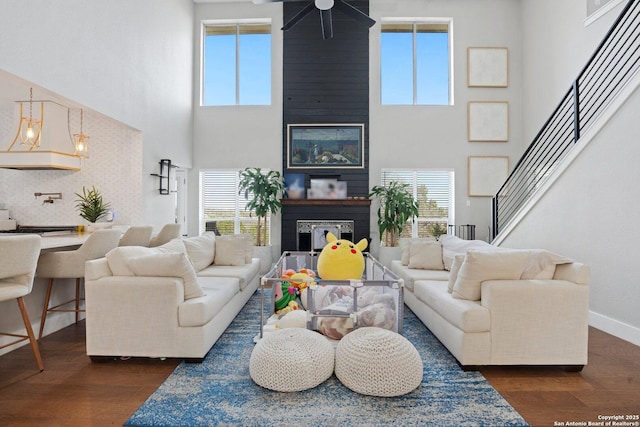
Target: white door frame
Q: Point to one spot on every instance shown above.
(180, 191)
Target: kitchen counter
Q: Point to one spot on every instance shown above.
(62, 241)
(57, 241)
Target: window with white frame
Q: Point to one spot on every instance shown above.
(236, 64)
(221, 205)
(415, 60)
(434, 191)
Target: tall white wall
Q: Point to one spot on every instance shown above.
(131, 61)
(436, 136)
(556, 45)
(400, 137)
(588, 213)
(236, 136)
(127, 61)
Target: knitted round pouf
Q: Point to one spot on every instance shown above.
(378, 362)
(291, 359)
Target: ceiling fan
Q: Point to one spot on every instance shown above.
(324, 6)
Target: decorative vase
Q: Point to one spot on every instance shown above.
(386, 254)
(93, 226)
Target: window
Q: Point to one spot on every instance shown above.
(237, 64)
(221, 205)
(434, 191)
(415, 60)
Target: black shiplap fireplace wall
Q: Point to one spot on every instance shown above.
(326, 81)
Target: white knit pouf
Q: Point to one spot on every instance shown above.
(378, 362)
(291, 359)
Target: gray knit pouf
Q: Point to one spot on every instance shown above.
(378, 362)
(291, 359)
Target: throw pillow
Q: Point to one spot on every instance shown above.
(117, 258)
(173, 245)
(248, 247)
(201, 249)
(425, 255)
(453, 245)
(230, 250)
(405, 242)
(453, 273)
(542, 264)
(479, 266)
(168, 265)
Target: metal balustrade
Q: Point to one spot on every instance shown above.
(613, 64)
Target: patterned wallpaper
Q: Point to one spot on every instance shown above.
(114, 167)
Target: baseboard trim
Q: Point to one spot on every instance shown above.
(615, 327)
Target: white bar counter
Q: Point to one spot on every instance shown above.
(63, 241)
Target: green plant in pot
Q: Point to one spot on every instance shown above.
(397, 206)
(261, 189)
(91, 205)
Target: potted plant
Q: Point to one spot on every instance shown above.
(397, 206)
(91, 205)
(261, 189)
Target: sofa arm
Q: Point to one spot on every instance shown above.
(131, 315)
(96, 269)
(541, 322)
(574, 272)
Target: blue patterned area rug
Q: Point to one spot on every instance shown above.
(220, 392)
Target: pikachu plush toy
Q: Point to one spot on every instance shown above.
(341, 259)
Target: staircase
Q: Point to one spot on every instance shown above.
(608, 73)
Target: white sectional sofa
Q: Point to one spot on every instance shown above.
(174, 300)
(496, 306)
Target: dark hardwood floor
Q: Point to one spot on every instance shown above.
(72, 391)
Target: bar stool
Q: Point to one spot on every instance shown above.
(70, 265)
(17, 270)
(136, 235)
(167, 233)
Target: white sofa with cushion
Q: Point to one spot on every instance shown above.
(497, 306)
(173, 300)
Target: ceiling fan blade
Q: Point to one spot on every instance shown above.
(273, 1)
(304, 12)
(354, 13)
(327, 26)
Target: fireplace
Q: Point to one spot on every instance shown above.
(311, 235)
(300, 216)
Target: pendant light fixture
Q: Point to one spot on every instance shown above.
(80, 140)
(29, 129)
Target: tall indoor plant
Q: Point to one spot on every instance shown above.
(91, 205)
(397, 206)
(261, 190)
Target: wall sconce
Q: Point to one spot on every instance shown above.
(80, 140)
(29, 129)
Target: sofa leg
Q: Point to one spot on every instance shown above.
(193, 359)
(470, 368)
(573, 368)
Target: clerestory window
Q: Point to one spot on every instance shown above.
(236, 65)
(415, 60)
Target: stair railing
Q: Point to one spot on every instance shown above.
(615, 61)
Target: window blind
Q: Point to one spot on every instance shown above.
(221, 203)
(434, 191)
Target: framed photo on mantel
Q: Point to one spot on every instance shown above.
(325, 146)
